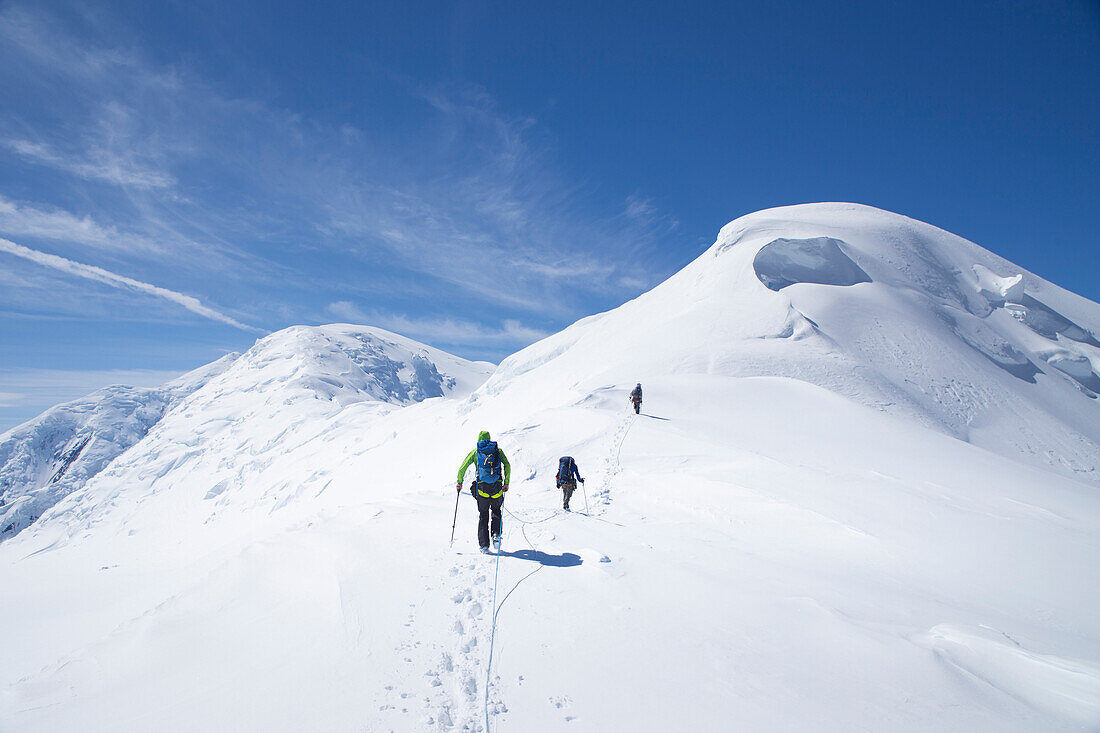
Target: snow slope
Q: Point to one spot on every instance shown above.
(826, 518)
(50, 457)
(46, 459)
(887, 311)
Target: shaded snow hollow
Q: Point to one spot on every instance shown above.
(820, 261)
(842, 508)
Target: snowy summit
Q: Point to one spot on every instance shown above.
(862, 494)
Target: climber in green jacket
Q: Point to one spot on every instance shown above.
(488, 488)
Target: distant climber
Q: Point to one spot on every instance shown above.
(490, 483)
(636, 398)
(568, 476)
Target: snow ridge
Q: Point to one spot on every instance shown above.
(316, 370)
(884, 310)
(849, 502)
(50, 457)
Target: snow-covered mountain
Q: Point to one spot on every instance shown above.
(881, 309)
(48, 458)
(862, 495)
(299, 372)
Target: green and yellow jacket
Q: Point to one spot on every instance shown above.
(472, 457)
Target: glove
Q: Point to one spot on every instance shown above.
(582, 480)
(505, 487)
(458, 487)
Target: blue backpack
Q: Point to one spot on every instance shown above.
(488, 462)
(565, 469)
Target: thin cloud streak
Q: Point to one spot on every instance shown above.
(473, 208)
(441, 330)
(98, 274)
(103, 165)
(501, 223)
(22, 220)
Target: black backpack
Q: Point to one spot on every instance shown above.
(565, 468)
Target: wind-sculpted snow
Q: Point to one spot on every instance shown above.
(841, 508)
(348, 364)
(229, 440)
(262, 395)
(351, 364)
(936, 329)
(48, 458)
(820, 260)
(1067, 688)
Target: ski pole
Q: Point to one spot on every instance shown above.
(586, 509)
(455, 522)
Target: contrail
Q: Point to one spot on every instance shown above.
(119, 281)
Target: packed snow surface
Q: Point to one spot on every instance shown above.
(851, 502)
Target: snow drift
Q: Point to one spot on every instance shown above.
(861, 495)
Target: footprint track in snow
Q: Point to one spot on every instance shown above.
(611, 465)
(454, 689)
(454, 681)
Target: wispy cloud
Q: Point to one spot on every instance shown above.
(96, 164)
(644, 213)
(98, 274)
(446, 331)
(497, 218)
(24, 220)
(472, 207)
(48, 47)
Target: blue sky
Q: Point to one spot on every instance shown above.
(179, 178)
